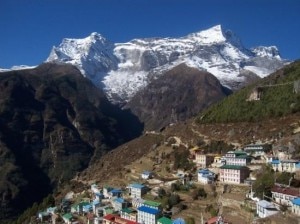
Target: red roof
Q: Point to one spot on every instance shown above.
(117, 219)
(287, 190)
(110, 217)
(214, 220)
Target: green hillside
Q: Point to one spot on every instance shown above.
(279, 95)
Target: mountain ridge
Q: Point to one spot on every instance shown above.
(122, 69)
(53, 123)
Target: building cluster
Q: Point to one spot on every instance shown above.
(235, 167)
(110, 205)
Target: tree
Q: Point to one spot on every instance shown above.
(264, 182)
(161, 192)
(174, 199)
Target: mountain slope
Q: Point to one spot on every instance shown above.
(274, 96)
(177, 95)
(53, 123)
(123, 69)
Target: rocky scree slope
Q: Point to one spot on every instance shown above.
(53, 123)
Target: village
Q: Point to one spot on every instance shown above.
(153, 198)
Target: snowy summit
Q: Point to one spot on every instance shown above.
(122, 69)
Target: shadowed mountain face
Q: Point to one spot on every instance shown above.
(175, 96)
(53, 123)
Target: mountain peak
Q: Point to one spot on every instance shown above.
(209, 36)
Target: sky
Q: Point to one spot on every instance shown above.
(30, 28)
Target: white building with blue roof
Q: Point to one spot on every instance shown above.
(119, 204)
(290, 166)
(137, 190)
(147, 215)
(296, 206)
(265, 209)
(205, 176)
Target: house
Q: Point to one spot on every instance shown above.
(147, 175)
(296, 206)
(137, 202)
(203, 160)
(148, 215)
(95, 189)
(115, 219)
(217, 220)
(265, 209)
(108, 210)
(179, 221)
(80, 207)
(218, 161)
(44, 216)
(285, 195)
(106, 191)
(275, 163)
(87, 208)
(257, 149)
(289, 166)
(119, 204)
(237, 158)
(233, 174)
(137, 190)
(205, 176)
(99, 196)
(129, 214)
(67, 218)
(95, 205)
(115, 193)
(51, 210)
(164, 220)
(152, 204)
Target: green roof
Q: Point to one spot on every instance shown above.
(232, 167)
(109, 210)
(67, 216)
(152, 203)
(164, 220)
(127, 210)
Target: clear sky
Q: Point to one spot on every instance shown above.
(29, 28)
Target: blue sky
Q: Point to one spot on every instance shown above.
(29, 28)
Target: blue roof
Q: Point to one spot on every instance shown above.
(206, 172)
(147, 172)
(96, 202)
(275, 161)
(296, 201)
(119, 200)
(148, 210)
(178, 221)
(136, 186)
(116, 191)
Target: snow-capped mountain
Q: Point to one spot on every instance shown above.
(17, 67)
(124, 68)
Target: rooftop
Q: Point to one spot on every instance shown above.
(148, 210)
(265, 204)
(152, 203)
(164, 220)
(232, 167)
(287, 190)
(296, 201)
(136, 185)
